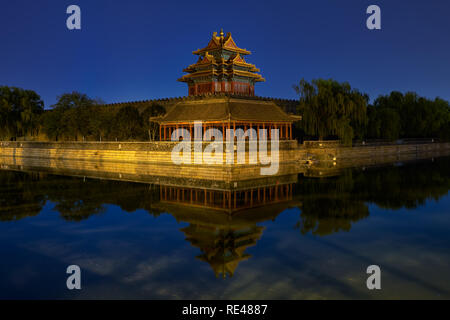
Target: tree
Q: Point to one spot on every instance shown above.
(419, 117)
(6, 119)
(70, 117)
(101, 124)
(384, 123)
(330, 108)
(151, 126)
(73, 100)
(128, 124)
(51, 125)
(20, 111)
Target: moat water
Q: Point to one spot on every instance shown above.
(307, 238)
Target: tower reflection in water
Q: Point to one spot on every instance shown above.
(223, 223)
(224, 215)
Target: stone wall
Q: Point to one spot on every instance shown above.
(160, 153)
(129, 152)
(209, 177)
(340, 153)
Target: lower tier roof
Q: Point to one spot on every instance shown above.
(226, 108)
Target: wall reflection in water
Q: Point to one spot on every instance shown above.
(224, 216)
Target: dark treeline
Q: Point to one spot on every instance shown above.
(74, 117)
(408, 116)
(330, 110)
(77, 117)
(333, 110)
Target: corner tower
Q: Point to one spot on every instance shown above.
(221, 67)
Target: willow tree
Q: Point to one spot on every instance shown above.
(20, 111)
(332, 109)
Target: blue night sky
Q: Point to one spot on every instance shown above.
(136, 50)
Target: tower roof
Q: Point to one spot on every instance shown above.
(225, 108)
(222, 43)
(221, 67)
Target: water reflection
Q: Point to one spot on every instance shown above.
(224, 218)
(327, 205)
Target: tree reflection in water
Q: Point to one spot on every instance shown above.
(224, 223)
(332, 204)
(327, 204)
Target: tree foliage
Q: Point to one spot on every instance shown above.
(331, 109)
(128, 124)
(334, 110)
(384, 123)
(77, 117)
(20, 112)
(408, 115)
(151, 126)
